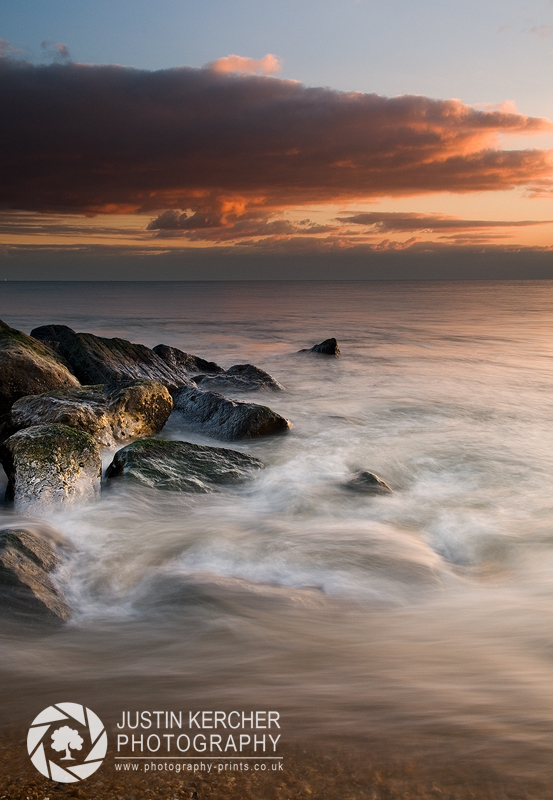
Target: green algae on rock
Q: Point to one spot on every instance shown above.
(110, 413)
(181, 466)
(49, 466)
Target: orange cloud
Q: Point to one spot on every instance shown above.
(267, 65)
(385, 221)
(222, 146)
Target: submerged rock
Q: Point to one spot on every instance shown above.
(27, 366)
(25, 586)
(217, 416)
(368, 483)
(49, 466)
(97, 360)
(240, 378)
(327, 348)
(184, 364)
(110, 413)
(181, 466)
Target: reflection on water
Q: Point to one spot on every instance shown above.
(423, 616)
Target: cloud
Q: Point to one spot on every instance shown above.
(110, 139)
(541, 30)
(174, 220)
(57, 51)
(202, 227)
(385, 221)
(267, 65)
(7, 50)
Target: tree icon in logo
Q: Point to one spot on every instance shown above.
(61, 728)
(65, 738)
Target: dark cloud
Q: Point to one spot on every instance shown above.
(384, 221)
(216, 228)
(57, 51)
(175, 220)
(113, 139)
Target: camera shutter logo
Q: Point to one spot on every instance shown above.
(80, 755)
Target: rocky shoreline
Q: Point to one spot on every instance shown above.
(66, 395)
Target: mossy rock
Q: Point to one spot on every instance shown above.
(110, 413)
(181, 466)
(27, 366)
(49, 466)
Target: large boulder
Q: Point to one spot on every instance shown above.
(185, 364)
(214, 415)
(25, 585)
(368, 483)
(50, 466)
(181, 466)
(239, 378)
(27, 366)
(327, 348)
(110, 413)
(98, 360)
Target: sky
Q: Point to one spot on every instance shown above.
(254, 139)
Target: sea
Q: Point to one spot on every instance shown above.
(420, 620)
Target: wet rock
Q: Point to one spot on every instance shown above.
(49, 466)
(214, 415)
(110, 413)
(6, 427)
(239, 378)
(27, 366)
(327, 348)
(181, 466)
(185, 364)
(368, 483)
(25, 585)
(97, 360)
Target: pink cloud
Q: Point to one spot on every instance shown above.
(267, 65)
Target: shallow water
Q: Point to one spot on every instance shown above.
(423, 617)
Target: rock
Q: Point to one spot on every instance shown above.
(6, 427)
(27, 366)
(49, 466)
(110, 413)
(327, 348)
(181, 466)
(25, 586)
(97, 360)
(240, 378)
(185, 364)
(368, 483)
(214, 415)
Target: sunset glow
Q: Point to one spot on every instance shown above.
(229, 157)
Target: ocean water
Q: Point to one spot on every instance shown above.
(423, 618)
